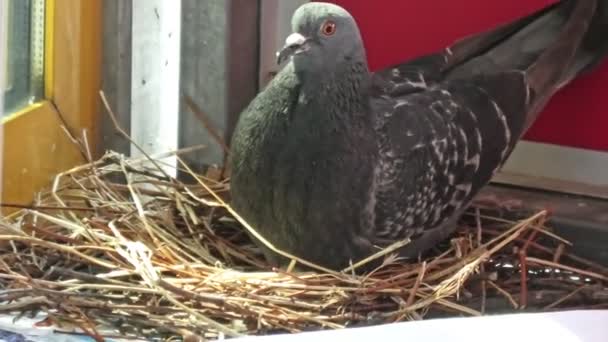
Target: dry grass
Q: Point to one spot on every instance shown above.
(115, 244)
(119, 244)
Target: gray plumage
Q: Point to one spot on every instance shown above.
(332, 163)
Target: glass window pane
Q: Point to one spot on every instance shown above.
(24, 65)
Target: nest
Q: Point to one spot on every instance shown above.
(118, 248)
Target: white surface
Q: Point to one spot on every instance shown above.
(572, 326)
(25, 327)
(559, 162)
(579, 326)
(155, 77)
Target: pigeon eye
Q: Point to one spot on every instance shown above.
(328, 28)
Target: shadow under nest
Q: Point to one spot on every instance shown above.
(118, 248)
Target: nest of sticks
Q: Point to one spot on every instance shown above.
(119, 248)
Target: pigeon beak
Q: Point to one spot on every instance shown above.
(294, 44)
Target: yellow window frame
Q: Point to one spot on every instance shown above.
(36, 146)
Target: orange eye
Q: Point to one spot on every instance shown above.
(328, 28)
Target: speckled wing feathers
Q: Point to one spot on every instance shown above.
(440, 146)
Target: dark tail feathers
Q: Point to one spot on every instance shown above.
(595, 43)
(561, 41)
(579, 46)
(552, 46)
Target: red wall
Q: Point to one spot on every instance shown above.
(395, 30)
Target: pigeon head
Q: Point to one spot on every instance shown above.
(324, 35)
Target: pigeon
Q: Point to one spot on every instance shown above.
(333, 163)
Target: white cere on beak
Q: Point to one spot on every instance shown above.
(295, 39)
(294, 44)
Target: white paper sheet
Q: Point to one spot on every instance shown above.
(573, 326)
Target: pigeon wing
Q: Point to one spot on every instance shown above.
(448, 121)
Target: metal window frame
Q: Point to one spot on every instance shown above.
(155, 77)
(17, 31)
(116, 72)
(219, 72)
(213, 59)
(557, 168)
(3, 49)
(3, 63)
(20, 90)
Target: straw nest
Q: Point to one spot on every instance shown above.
(118, 247)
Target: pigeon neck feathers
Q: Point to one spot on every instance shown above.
(345, 87)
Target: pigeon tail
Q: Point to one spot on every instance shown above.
(565, 58)
(594, 49)
(551, 46)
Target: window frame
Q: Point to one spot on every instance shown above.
(18, 90)
(36, 146)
